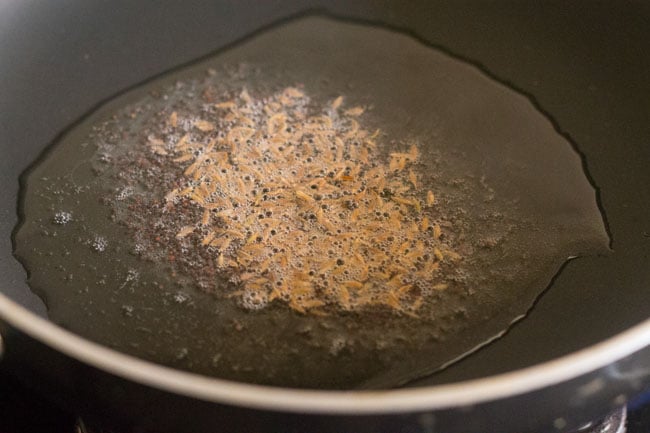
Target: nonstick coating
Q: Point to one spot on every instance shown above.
(583, 63)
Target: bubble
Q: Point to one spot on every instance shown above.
(337, 345)
(252, 300)
(125, 193)
(99, 244)
(62, 218)
(132, 275)
(182, 353)
(180, 297)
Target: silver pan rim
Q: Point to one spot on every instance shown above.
(460, 394)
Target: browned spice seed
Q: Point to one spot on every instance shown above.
(313, 226)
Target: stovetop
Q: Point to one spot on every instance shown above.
(23, 411)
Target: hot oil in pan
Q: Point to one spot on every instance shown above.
(326, 205)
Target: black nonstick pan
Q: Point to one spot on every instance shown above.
(581, 351)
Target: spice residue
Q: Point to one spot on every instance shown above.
(297, 206)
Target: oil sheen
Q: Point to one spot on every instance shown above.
(325, 205)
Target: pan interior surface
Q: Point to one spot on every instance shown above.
(511, 189)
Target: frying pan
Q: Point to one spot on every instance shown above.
(581, 351)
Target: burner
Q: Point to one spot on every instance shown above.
(615, 422)
(82, 427)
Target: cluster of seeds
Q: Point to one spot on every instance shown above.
(300, 207)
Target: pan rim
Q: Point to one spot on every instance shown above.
(458, 394)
